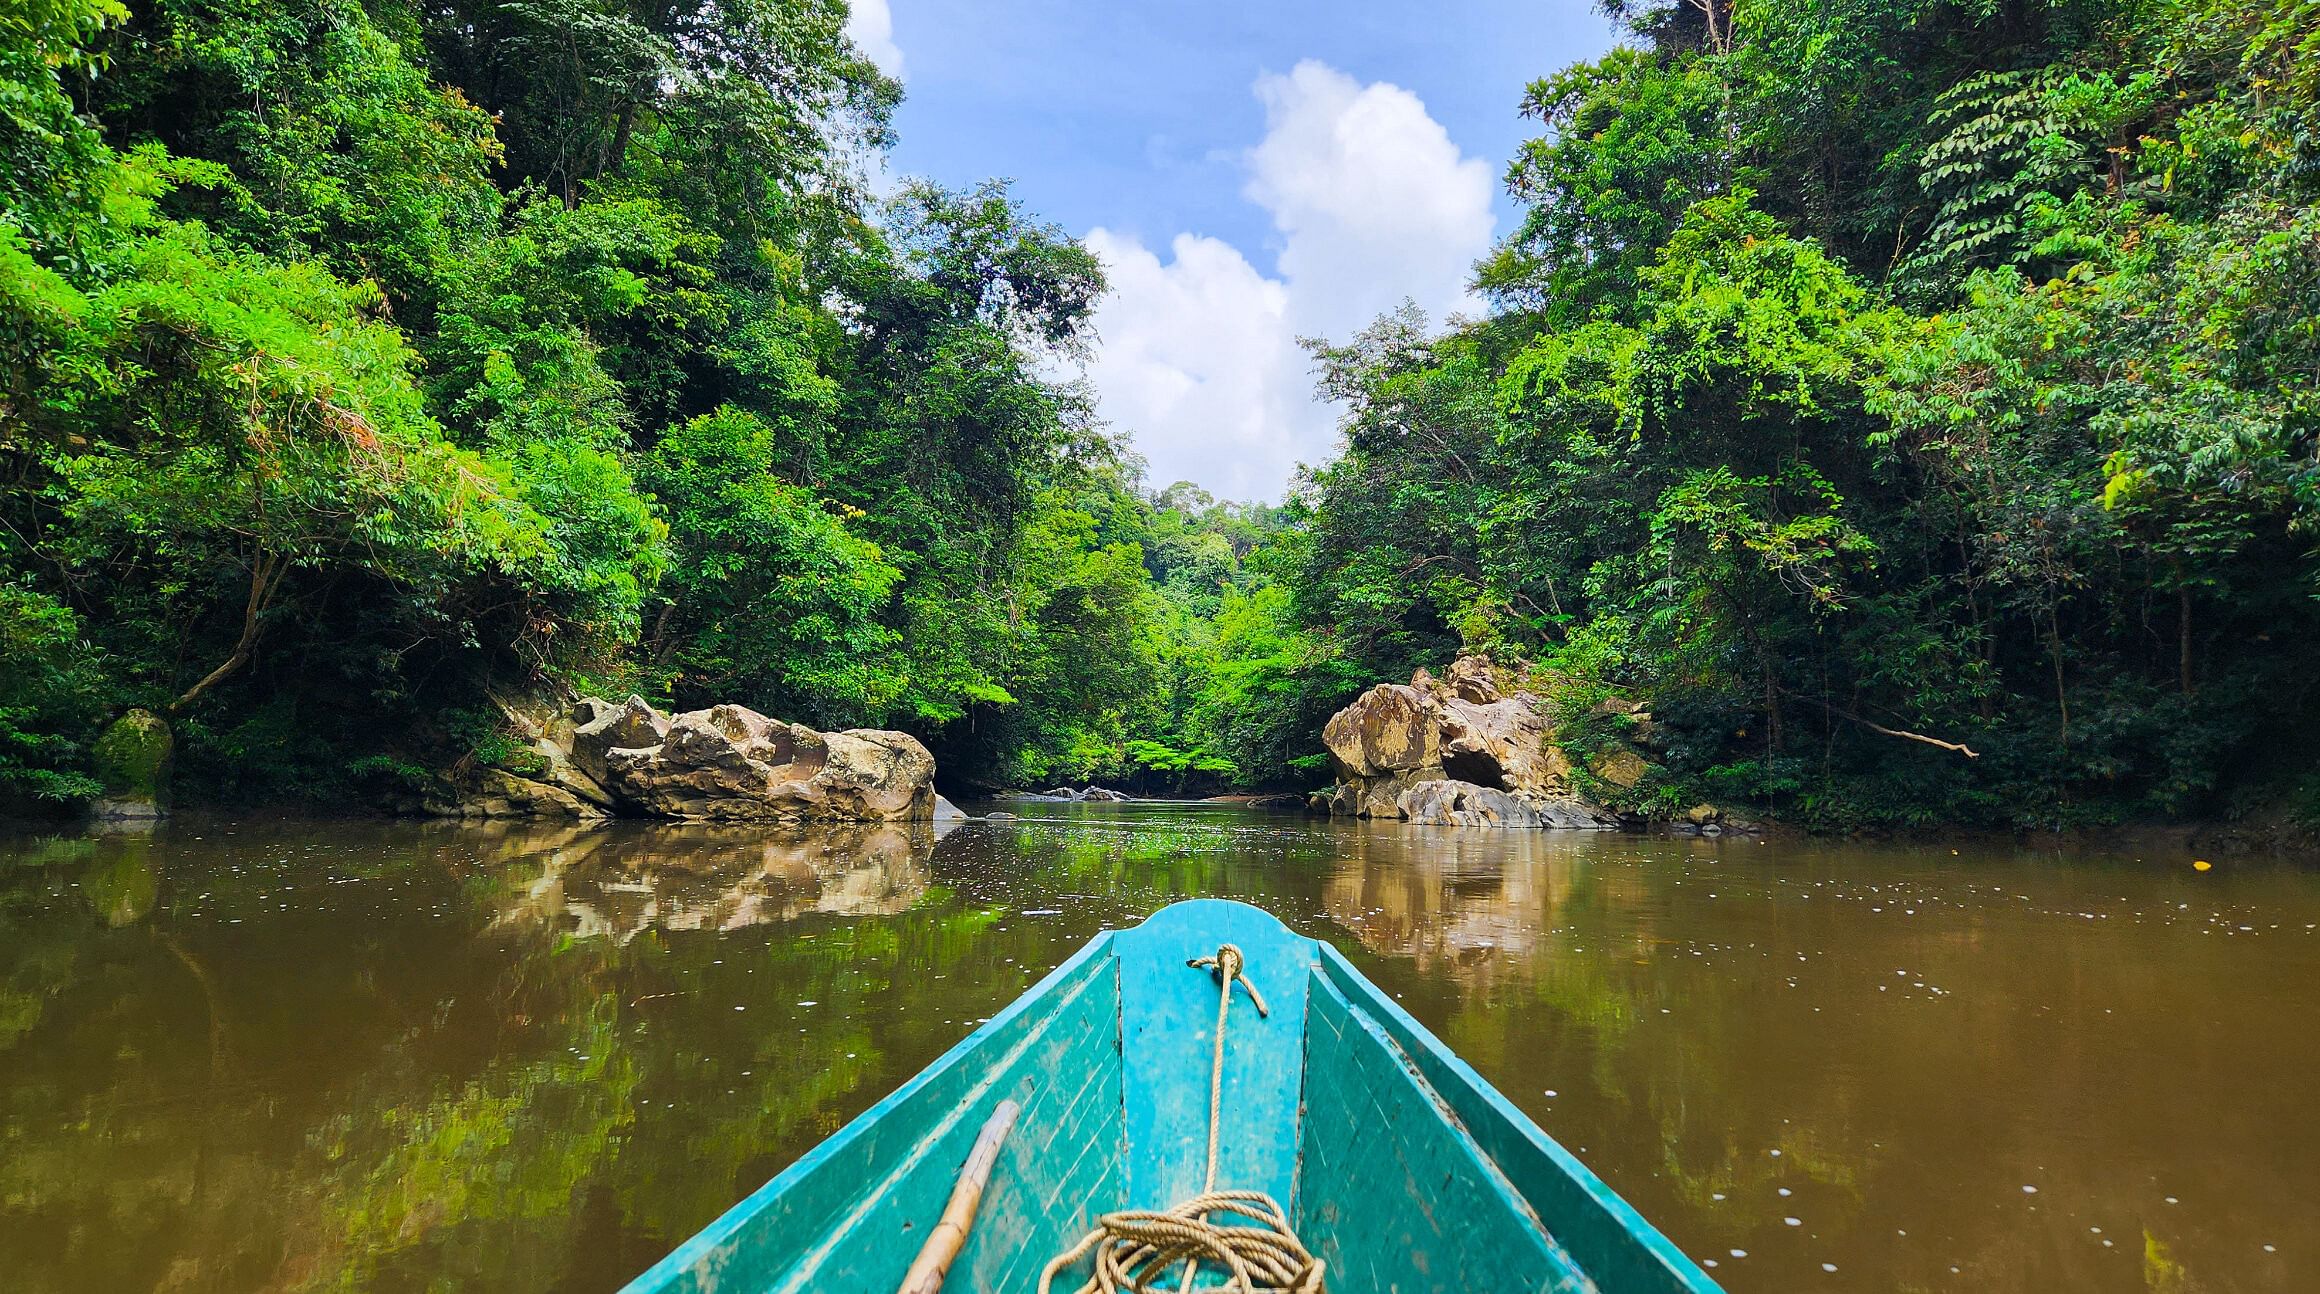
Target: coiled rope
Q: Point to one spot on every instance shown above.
(1135, 1247)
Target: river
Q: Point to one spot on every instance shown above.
(261, 1054)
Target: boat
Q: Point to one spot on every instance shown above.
(1118, 1088)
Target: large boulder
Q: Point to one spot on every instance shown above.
(729, 763)
(1465, 749)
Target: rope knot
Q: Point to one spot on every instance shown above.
(1227, 961)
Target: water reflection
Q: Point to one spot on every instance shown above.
(121, 886)
(301, 1056)
(1453, 902)
(617, 882)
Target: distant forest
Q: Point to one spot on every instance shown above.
(1866, 380)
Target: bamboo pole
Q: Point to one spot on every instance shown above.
(950, 1235)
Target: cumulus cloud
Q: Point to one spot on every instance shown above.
(1192, 360)
(870, 25)
(1372, 200)
(1372, 203)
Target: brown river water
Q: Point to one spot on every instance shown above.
(261, 1054)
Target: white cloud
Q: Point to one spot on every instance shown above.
(1372, 199)
(1198, 357)
(1193, 358)
(870, 25)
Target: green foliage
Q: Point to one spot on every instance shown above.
(49, 695)
(1734, 472)
(771, 599)
(367, 362)
(1869, 376)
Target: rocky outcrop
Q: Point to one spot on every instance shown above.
(1390, 730)
(1461, 750)
(1449, 803)
(600, 728)
(727, 763)
(498, 793)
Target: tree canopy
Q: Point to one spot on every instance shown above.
(1868, 382)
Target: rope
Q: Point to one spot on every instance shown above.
(1134, 1247)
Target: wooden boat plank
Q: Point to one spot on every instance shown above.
(783, 1229)
(1167, 1029)
(1616, 1246)
(1393, 1195)
(868, 1247)
(1062, 1168)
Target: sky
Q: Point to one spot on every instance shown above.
(1250, 173)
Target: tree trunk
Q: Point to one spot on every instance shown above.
(2061, 695)
(620, 135)
(2183, 637)
(266, 571)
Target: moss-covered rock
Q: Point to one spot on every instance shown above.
(133, 759)
(1621, 768)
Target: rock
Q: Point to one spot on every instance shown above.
(730, 763)
(945, 811)
(1060, 793)
(1571, 814)
(1285, 800)
(1472, 679)
(1465, 728)
(725, 763)
(1621, 768)
(564, 774)
(1700, 815)
(1501, 743)
(1450, 803)
(602, 727)
(1001, 817)
(498, 793)
(1101, 795)
(133, 760)
(1388, 729)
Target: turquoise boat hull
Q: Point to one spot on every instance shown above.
(1401, 1168)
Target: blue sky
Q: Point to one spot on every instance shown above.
(1249, 172)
